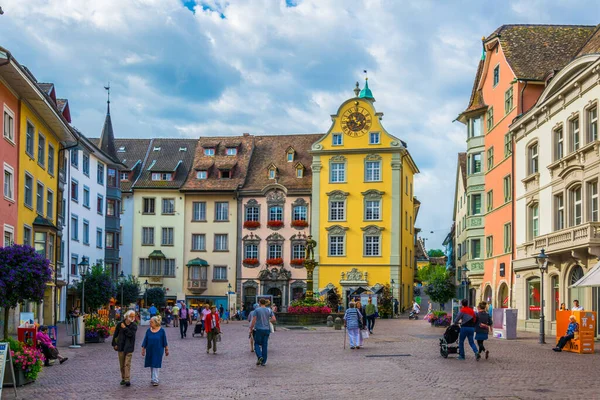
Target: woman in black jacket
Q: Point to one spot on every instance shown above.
(482, 328)
(124, 342)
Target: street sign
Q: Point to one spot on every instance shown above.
(230, 292)
(6, 358)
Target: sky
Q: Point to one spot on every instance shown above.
(186, 68)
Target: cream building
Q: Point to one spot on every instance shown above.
(557, 165)
(460, 221)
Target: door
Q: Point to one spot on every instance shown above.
(276, 293)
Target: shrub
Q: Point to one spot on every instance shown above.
(26, 358)
(308, 306)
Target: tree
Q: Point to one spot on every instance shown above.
(436, 253)
(156, 296)
(430, 271)
(24, 274)
(440, 288)
(333, 299)
(99, 287)
(385, 305)
(131, 290)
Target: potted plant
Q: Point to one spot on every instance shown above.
(251, 224)
(250, 261)
(297, 261)
(95, 330)
(299, 223)
(275, 261)
(27, 362)
(275, 224)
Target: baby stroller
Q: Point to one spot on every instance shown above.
(198, 329)
(450, 337)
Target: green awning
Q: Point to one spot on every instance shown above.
(197, 262)
(157, 254)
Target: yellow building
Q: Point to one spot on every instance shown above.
(363, 211)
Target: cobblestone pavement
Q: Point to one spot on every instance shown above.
(401, 360)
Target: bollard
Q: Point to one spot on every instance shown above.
(330, 321)
(338, 324)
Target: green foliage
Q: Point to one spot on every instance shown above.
(156, 296)
(131, 290)
(386, 305)
(430, 271)
(438, 314)
(440, 288)
(99, 288)
(333, 299)
(436, 253)
(307, 302)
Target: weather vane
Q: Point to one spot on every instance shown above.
(108, 91)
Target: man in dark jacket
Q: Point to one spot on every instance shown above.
(467, 317)
(124, 342)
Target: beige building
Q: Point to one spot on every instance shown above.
(460, 220)
(557, 166)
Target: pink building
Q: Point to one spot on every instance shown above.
(9, 156)
(275, 207)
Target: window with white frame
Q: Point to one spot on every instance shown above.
(201, 175)
(276, 213)
(559, 212)
(275, 251)
(474, 127)
(252, 213)
(86, 196)
(532, 154)
(576, 206)
(508, 100)
(162, 176)
(100, 173)
(373, 210)
(50, 204)
(39, 208)
(221, 211)
(167, 237)
(29, 139)
(209, 151)
(168, 206)
(74, 227)
(27, 235)
(475, 165)
(198, 242)
(290, 156)
(373, 171)
(336, 245)
(251, 251)
(489, 246)
(86, 232)
(496, 75)
(337, 210)
(534, 221)
(374, 138)
(147, 236)
(507, 188)
(592, 191)
(9, 124)
(298, 251)
(85, 165)
(337, 139)
(507, 237)
(507, 145)
(221, 242)
(574, 134)
(338, 172)
(199, 211)
(9, 182)
(300, 213)
(559, 144)
(169, 267)
(219, 273)
(476, 204)
(41, 149)
(372, 245)
(592, 124)
(28, 190)
(148, 205)
(50, 159)
(9, 235)
(231, 151)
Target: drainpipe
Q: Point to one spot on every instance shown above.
(513, 215)
(401, 234)
(238, 261)
(8, 55)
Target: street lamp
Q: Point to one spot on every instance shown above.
(83, 270)
(542, 260)
(465, 280)
(122, 282)
(393, 298)
(146, 293)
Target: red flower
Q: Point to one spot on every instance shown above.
(250, 261)
(300, 223)
(251, 224)
(297, 261)
(275, 224)
(275, 261)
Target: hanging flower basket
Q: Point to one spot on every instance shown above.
(251, 224)
(250, 261)
(275, 261)
(299, 223)
(297, 261)
(275, 224)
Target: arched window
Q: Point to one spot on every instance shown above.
(533, 298)
(575, 293)
(532, 158)
(555, 295)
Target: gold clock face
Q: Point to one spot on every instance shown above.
(356, 121)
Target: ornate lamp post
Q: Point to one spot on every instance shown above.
(465, 280)
(542, 260)
(83, 270)
(392, 286)
(146, 284)
(122, 282)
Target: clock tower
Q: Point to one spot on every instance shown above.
(363, 211)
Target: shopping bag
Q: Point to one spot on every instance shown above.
(365, 334)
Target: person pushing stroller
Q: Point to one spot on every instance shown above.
(468, 320)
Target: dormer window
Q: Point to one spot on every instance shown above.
(121, 149)
(124, 176)
(232, 151)
(272, 172)
(209, 151)
(183, 149)
(299, 170)
(225, 174)
(156, 149)
(290, 154)
(162, 176)
(201, 174)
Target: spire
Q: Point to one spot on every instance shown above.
(107, 138)
(366, 93)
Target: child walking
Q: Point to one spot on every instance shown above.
(484, 324)
(155, 342)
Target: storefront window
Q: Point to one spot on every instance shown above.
(533, 298)
(555, 296)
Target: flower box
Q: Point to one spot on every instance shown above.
(299, 223)
(297, 261)
(275, 261)
(250, 261)
(251, 224)
(275, 224)
(20, 378)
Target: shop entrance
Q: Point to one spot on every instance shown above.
(276, 293)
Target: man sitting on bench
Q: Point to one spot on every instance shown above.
(571, 330)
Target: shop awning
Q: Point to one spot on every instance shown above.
(157, 254)
(197, 262)
(592, 278)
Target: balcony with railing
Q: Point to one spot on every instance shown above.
(580, 236)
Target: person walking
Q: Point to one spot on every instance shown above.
(363, 320)
(251, 335)
(153, 346)
(221, 311)
(352, 319)
(152, 310)
(261, 328)
(482, 328)
(185, 318)
(175, 312)
(124, 343)
(204, 311)
(213, 329)
(467, 329)
(370, 311)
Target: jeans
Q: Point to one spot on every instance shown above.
(466, 332)
(370, 322)
(154, 372)
(261, 343)
(183, 325)
(125, 364)
(212, 340)
(563, 340)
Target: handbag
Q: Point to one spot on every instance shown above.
(365, 334)
(271, 327)
(53, 352)
(218, 338)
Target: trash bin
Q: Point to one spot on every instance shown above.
(505, 323)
